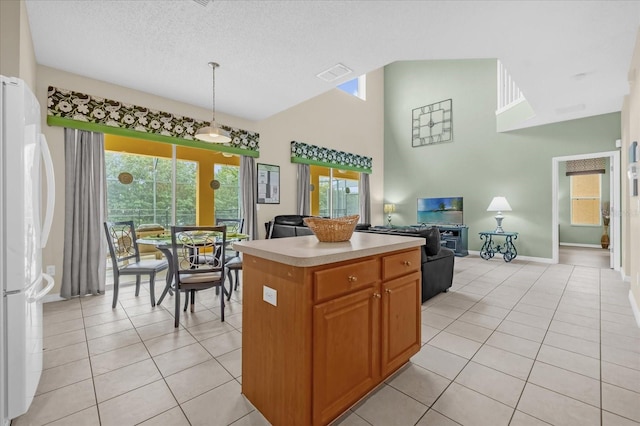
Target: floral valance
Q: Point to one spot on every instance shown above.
(319, 156)
(86, 112)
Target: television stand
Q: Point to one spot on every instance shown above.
(455, 237)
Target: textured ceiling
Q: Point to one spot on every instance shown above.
(570, 58)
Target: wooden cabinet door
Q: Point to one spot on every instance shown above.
(400, 321)
(346, 333)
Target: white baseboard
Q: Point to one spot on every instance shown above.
(634, 308)
(625, 278)
(52, 298)
(526, 258)
(598, 246)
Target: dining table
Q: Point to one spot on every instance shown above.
(162, 241)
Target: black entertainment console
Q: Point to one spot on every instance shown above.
(455, 237)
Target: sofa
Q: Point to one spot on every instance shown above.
(292, 225)
(437, 261)
(288, 225)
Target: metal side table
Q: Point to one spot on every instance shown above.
(490, 248)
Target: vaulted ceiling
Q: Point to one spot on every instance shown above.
(570, 58)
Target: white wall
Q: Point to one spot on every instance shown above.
(334, 120)
(631, 205)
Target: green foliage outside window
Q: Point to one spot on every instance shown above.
(148, 198)
(227, 197)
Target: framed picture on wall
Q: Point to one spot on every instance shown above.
(268, 184)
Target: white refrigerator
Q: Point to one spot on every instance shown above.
(24, 229)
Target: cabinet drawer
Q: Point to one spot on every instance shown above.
(335, 281)
(399, 264)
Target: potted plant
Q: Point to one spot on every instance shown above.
(604, 240)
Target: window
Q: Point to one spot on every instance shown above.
(337, 192)
(147, 199)
(355, 87)
(154, 195)
(585, 200)
(227, 196)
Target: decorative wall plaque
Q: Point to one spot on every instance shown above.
(125, 178)
(432, 124)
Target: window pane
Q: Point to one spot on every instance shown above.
(585, 186)
(186, 192)
(227, 196)
(334, 197)
(585, 199)
(147, 199)
(324, 193)
(585, 211)
(345, 197)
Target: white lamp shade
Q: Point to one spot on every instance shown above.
(389, 208)
(213, 134)
(499, 204)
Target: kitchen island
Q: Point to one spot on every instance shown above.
(324, 323)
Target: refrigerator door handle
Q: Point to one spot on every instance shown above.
(39, 295)
(51, 190)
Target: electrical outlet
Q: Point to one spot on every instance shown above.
(270, 295)
(51, 270)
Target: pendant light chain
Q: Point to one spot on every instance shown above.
(214, 65)
(212, 133)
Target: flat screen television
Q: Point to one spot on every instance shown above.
(440, 210)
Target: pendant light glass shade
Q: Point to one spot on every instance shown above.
(212, 133)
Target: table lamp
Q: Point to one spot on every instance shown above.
(499, 204)
(388, 209)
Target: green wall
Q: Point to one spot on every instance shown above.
(572, 234)
(480, 163)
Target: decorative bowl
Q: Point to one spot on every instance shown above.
(332, 230)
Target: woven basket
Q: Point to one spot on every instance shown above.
(332, 230)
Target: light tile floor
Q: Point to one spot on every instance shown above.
(518, 343)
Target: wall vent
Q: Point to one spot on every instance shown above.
(334, 73)
(202, 2)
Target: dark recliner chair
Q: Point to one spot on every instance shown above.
(287, 225)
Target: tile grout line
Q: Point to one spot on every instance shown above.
(470, 359)
(600, 343)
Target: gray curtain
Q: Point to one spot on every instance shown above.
(303, 189)
(84, 261)
(365, 198)
(248, 185)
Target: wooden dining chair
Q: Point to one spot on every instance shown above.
(198, 263)
(125, 258)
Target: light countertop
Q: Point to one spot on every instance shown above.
(308, 251)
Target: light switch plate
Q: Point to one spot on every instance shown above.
(270, 295)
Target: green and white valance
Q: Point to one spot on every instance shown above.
(318, 156)
(76, 110)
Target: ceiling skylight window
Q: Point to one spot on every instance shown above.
(355, 87)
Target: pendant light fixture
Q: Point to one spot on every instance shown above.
(212, 133)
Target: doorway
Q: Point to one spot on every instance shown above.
(614, 191)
